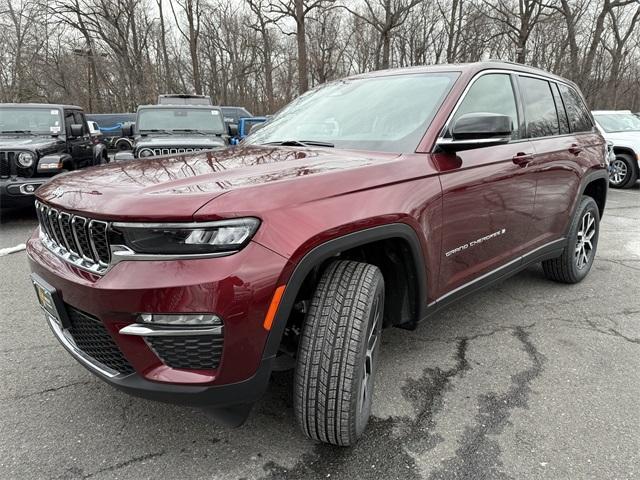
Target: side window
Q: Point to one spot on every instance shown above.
(562, 114)
(492, 93)
(579, 119)
(539, 108)
(68, 121)
(79, 120)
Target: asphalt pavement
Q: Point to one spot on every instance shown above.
(527, 380)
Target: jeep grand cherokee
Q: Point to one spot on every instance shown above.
(369, 202)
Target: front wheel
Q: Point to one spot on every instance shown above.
(338, 353)
(576, 259)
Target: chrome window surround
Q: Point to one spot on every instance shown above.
(53, 238)
(441, 139)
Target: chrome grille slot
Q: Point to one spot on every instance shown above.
(78, 240)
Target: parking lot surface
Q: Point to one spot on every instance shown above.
(528, 379)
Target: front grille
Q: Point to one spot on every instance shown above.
(82, 241)
(172, 151)
(197, 352)
(90, 336)
(9, 166)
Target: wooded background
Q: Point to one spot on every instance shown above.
(112, 55)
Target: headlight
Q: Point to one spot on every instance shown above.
(26, 159)
(145, 152)
(168, 239)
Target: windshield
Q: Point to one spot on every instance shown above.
(170, 119)
(389, 114)
(618, 122)
(47, 121)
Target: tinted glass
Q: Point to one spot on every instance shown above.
(180, 118)
(579, 119)
(562, 114)
(539, 108)
(491, 93)
(30, 120)
(389, 113)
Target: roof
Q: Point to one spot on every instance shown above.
(470, 68)
(40, 105)
(183, 106)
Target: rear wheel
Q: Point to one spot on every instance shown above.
(623, 171)
(338, 353)
(576, 260)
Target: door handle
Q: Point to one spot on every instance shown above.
(522, 158)
(575, 149)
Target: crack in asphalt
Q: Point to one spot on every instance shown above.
(478, 456)
(384, 450)
(126, 463)
(47, 390)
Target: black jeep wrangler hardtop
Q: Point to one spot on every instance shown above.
(37, 141)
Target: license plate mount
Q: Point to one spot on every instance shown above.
(50, 301)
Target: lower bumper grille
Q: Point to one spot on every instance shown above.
(90, 336)
(197, 352)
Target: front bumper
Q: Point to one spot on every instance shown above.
(14, 191)
(231, 287)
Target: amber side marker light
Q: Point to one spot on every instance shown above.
(273, 308)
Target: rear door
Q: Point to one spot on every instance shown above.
(488, 192)
(561, 152)
(81, 148)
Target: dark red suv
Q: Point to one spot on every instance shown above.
(368, 202)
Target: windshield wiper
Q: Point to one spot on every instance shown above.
(16, 131)
(191, 130)
(155, 130)
(301, 143)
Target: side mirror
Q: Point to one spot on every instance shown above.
(233, 129)
(475, 130)
(123, 156)
(76, 130)
(127, 130)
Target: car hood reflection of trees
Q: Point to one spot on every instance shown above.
(175, 187)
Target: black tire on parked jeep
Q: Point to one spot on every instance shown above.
(576, 259)
(624, 171)
(338, 353)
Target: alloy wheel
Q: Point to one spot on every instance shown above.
(618, 171)
(584, 245)
(368, 367)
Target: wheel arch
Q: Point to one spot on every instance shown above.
(400, 236)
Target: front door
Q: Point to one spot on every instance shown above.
(488, 192)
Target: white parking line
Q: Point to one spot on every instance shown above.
(7, 251)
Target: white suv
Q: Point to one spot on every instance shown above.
(622, 128)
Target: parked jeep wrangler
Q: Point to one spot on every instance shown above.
(169, 129)
(370, 202)
(37, 141)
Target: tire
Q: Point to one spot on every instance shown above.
(623, 171)
(576, 259)
(338, 353)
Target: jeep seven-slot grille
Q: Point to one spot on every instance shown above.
(170, 151)
(79, 240)
(91, 336)
(10, 168)
(197, 352)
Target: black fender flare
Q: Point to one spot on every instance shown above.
(589, 177)
(98, 151)
(330, 248)
(55, 162)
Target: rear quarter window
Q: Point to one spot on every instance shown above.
(579, 118)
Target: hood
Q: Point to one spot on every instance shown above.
(624, 139)
(195, 140)
(34, 143)
(173, 188)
